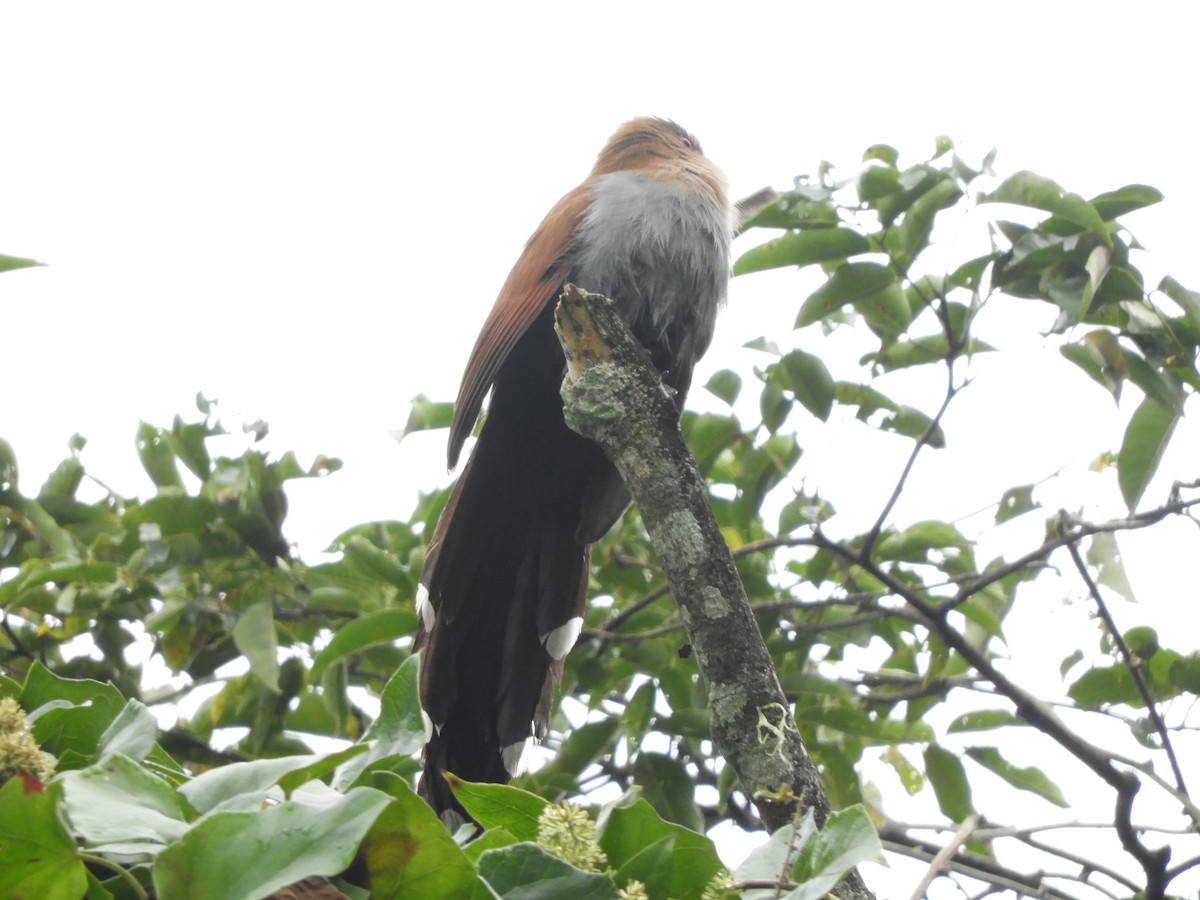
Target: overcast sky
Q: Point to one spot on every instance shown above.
(305, 210)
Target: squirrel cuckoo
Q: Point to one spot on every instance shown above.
(501, 597)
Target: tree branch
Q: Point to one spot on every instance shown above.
(1135, 669)
(613, 396)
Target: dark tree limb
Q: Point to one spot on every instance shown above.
(613, 396)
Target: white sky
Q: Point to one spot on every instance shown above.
(305, 209)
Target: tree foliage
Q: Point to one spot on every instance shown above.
(295, 756)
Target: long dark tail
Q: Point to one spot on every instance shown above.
(502, 594)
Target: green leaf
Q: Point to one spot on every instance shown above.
(886, 312)
(667, 787)
(37, 855)
(401, 727)
(409, 853)
(118, 803)
(1114, 204)
(1105, 555)
(1151, 382)
(1146, 437)
(883, 152)
(1035, 191)
(949, 779)
(624, 830)
(903, 419)
(793, 210)
(1104, 686)
(366, 560)
(220, 785)
(910, 776)
(382, 627)
(1189, 301)
(802, 248)
(9, 263)
(69, 717)
(984, 720)
(853, 282)
(920, 351)
(254, 636)
(527, 872)
(425, 415)
(875, 182)
(806, 376)
(259, 852)
(500, 806)
(1016, 501)
(132, 733)
(906, 241)
(1029, 778)
(157, 458)
(847, 840)
(778, 855)
(725, 385)
(914, 543)
(585, 744)
(653, 867)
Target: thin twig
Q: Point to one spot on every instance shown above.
(1135, 670)
(938, 863)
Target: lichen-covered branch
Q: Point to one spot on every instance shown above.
(613, 395)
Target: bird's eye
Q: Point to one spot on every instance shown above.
(687, 142)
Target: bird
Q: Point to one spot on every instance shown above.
(502, 593)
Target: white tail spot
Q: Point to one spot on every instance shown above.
(425, 608)
(558, 643)
(511, 755)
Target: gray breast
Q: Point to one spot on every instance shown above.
(661, 251)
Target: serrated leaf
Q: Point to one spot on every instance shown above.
(1029, 778)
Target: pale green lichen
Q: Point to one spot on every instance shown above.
(567, 832)
(682, 539)
(18, 750)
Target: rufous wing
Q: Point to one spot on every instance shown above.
(533, 282)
